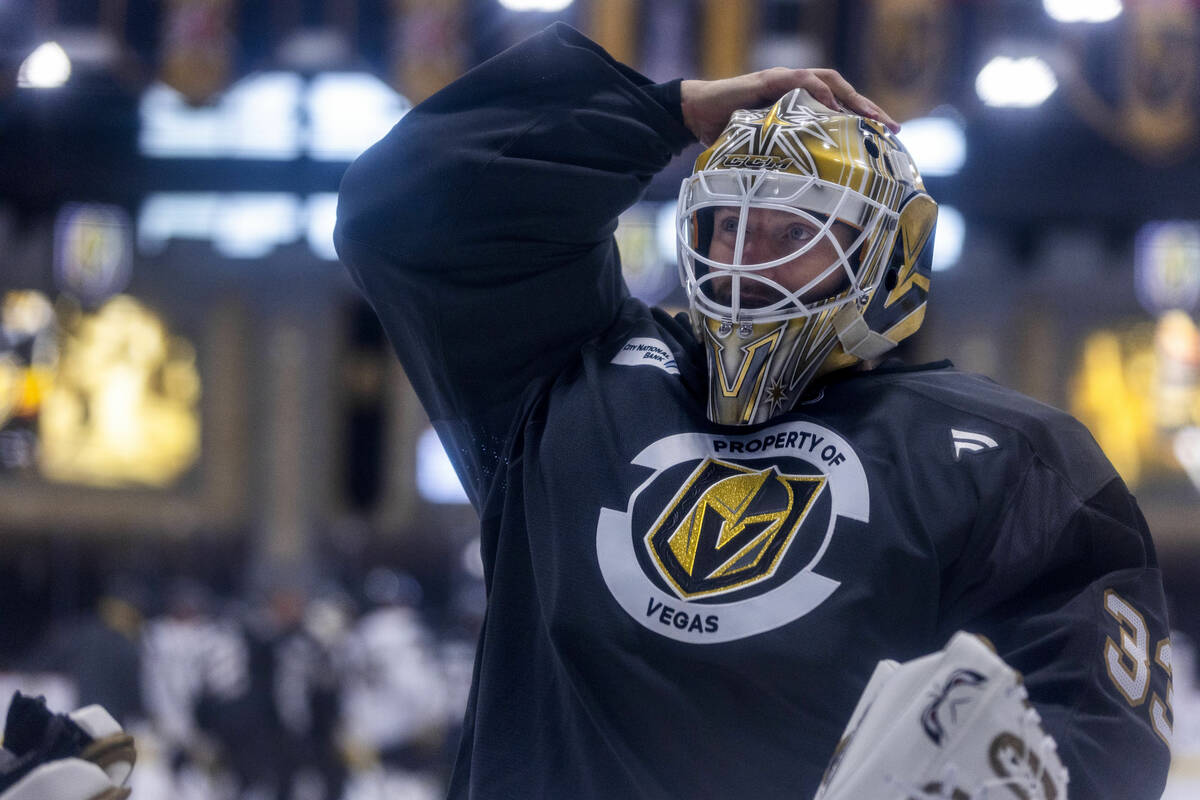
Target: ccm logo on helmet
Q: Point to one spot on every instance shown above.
(756, 162)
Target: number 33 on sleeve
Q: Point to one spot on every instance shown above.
(1131, 662)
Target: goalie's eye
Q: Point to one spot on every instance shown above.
(800, 233)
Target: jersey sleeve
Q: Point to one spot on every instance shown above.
(480, 228)
(1066, 585)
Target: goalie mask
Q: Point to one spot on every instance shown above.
(805, 243)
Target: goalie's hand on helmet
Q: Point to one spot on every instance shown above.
(707, 105)
(956, 724)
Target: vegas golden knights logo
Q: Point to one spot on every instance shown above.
(907, 43)
(711, 547)
(1154, 52)
(729, 526)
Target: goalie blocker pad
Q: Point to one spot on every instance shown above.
(956, 724)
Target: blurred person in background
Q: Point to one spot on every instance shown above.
(701, 534)
(305, 689)
(279, 736)
(457, 636)
(191, 658)
(101, 651)
(394, 709)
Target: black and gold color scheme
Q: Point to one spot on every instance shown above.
(729, 526)
(616, 657)
(855, 190)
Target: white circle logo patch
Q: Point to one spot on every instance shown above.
(722, 540)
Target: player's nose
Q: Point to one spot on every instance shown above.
(761, 245)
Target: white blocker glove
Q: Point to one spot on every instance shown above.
(84, 755)
(955, 724)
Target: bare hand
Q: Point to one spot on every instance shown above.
(707, 105)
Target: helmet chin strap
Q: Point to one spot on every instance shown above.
(856, 336)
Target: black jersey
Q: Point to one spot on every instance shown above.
(678, 609)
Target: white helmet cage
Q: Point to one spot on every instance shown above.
(746, 289)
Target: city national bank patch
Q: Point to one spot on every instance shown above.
(644, 351)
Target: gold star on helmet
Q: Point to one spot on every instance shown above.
(773, 118)
(770, 123)
(776, 395)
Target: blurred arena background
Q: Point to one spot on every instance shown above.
(222, 512)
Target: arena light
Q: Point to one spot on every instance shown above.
(175, 215)
(1166, 265)
(471, 559)
(140, 385)
(322, 214)
(1007, 82)
(257, 118)
(665, 223)
(23, 314)
(1186, 444)
(938, 144)
(348, 112)
(649, 276)
(265, 109)
(948, 238)
(276, 115)
(1083, 10)
(437, 481)
(535, 5)
(47, 67)
(242, 225)
(252, 224)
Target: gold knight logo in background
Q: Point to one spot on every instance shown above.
(1154, 54)
(729, 526)
(905, 49)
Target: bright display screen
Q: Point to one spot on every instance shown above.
(105, 398)
(1138, 391)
